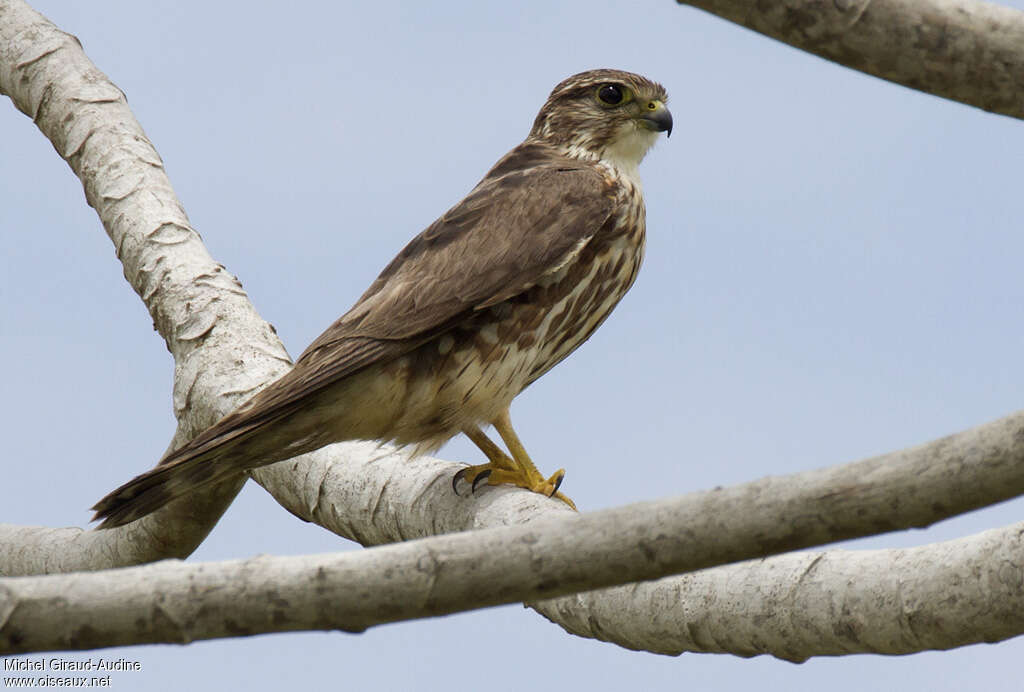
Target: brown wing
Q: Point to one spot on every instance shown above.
(516, 226)
(508, 233)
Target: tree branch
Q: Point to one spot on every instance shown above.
(799, 605)
(752, 608)
(223, 351)
(556, 556)
(372, 494)
(964, 50)
(174, 602)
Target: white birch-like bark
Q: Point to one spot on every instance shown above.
(211, 328)
(938, 596)
(791, 606)
(222, 350)
(964, 50)
(978, 578)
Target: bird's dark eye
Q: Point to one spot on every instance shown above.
(610, 94)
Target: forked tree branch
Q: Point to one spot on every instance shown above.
(210, 327)
(222, 350)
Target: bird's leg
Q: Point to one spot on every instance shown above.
(497, 460)
(527, 470)
(517, 470)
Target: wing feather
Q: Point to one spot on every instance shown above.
(507, 234)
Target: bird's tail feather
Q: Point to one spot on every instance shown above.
(222, 452)
(150, 491)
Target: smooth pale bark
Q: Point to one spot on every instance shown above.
(965, 50)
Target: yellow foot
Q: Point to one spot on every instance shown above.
(499, 475)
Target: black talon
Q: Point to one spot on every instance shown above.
(484, 475)
(459, 475)
(558, 484)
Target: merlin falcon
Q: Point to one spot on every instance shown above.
(487, 299)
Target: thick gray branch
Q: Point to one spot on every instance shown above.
(965, 50)
(977, 577)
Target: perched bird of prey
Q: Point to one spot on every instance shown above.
(487, 299)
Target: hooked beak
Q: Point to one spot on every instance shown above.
(657, 118)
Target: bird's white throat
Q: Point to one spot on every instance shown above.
(627, 150)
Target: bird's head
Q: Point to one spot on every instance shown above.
(608, 115)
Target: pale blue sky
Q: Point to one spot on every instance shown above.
(833, 271)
